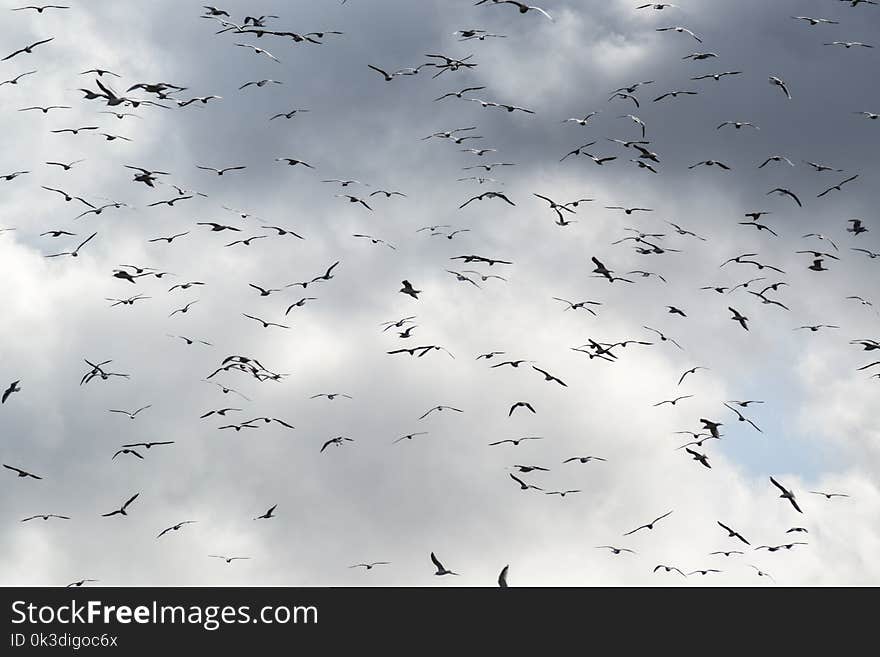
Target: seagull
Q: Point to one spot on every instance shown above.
(259, 51)
(828, 496)
(739, 317)
(371, 565)
(779, 82)
(583, 459)
(67, 166)
(787, 494)
(716, 76)
(815, 21)
(849, 44)
(151, 444)
(615, 550)
(27, 49)
(837, 186)
(75, 252)
(21, 473)
(702, 458)
(13, 387)
(680, 30)
(739, 125)
(81, 582)
(121, 510)
(17, 78)
(409, 289)
(520, 404)
(581, 121)
(650, 525)
(693, 370)
(668, 569)
(287, 115)
(673, 402)
(220, 172)
(786, 192)
(131, 414)
(265, 323)
(441, 569)
(523, 485)
(268, 514)
(259, 83)
(175, 527)
(45, 517)
(338, 441)
(227, 559)
(731, 533)
(515, 441)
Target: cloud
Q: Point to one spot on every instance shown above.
(447, 491)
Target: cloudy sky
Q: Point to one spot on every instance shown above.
(447, 491)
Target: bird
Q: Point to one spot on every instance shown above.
(673, 402)
(786, 494)
(259, 51)
(268, 514)
(22, 474)
(175, 527)
(669, 569)
(13, 387)
(815, 21)
(122, 510)
(614, 549)
(523, 485)
(828, 496)
(731, 533)
(131, 414)
(371, 565)
(520, 404)
(338, 441)
(27, 49)
(515, 441)
(441, 569)
(779, 82)
(264, 322)
(17, 78)
(220, 172)
(838, 186)
(227, 559)
(583, 459)
(75, 252)
(150, 444)
(739, 317)
(650, 525)
(410, 290)
(702, 458)
(680, 30)
(79, 583)
(693, 370)
(45, 517)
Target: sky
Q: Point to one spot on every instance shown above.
(447, 491)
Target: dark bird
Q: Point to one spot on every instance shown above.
(441, 569)
(409, 289)
(121, 510)
(731, 533)
(268, 514)
(27, 49)
(650, 525)
(520, 404)
(13, 387)
(786, 494)
(175, 527)
(21, 473)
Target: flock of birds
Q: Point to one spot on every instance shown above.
(762, 288)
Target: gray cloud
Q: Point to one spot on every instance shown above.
(447, 491)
